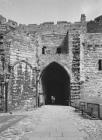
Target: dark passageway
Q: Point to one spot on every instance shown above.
(56, 85)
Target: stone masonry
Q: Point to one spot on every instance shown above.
(26, 50)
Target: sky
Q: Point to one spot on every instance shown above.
(39, 11)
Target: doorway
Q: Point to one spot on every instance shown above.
(56, 85)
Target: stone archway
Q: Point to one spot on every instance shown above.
(22, 92)
(56, 84)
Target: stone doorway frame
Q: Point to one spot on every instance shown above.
(39, 87)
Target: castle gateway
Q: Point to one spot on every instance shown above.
(49, 63)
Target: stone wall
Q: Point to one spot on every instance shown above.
(22, 60)
(22, 47)
(4, 62)
(40, 45)
(95, 26)
(31, 48)
(92, 75)
(69, 40)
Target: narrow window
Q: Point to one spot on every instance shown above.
(1, 36)
(1, 39)
(43, 50)
(58, 51)
(100, 64)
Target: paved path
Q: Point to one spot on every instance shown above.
(54, 123)
(9, 120)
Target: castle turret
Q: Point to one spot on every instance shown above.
(83, 18)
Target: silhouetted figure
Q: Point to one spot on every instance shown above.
(52, 99)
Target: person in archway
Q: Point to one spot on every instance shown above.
(52, 99)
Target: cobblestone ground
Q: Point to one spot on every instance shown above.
(50, 123)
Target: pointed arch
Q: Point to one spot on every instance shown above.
(56, 84)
